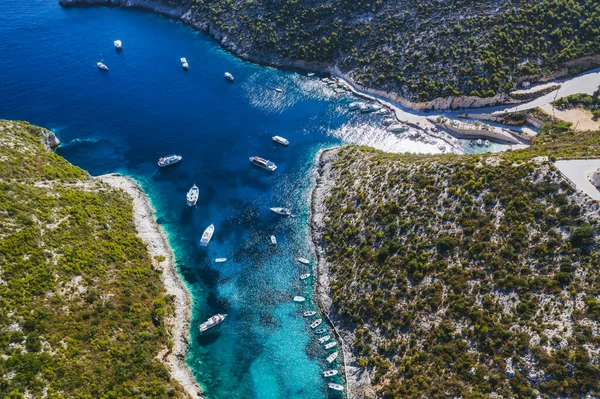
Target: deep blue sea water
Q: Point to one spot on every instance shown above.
(146, 106)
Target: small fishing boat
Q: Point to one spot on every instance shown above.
(330, 345)
(309, 313)
(329, 373)
(184, 63)
(281, 211)
(304, 276)
(229, 76)
(102, 67)
(273, 240)
(332, 357)
(118, 45)
(212, 322)
(324, 339)
(280, 140)
(278, 90)
(316, 323)
(192, 195)
(299, 299)
(169, 160)
(220, 260)
(487, 143)
(335, 387)
(355, 106)
(263, 163)
(207, 235)
(321, 331)
(310, 74)
(303, 260)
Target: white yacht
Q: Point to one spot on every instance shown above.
(299, 299)
(220, 260)
(273, 240)
(184, 63)
(207, 235)
(280, 140)
(263, 163)
(330, 345)
(169, 160)
(102, 67)
(335, 387)
(229, 76)
(118, 45)
(303, 260)
(212, 322)
(281, 211)
(324, 339)
(316, 323)
(332, 357)
(309, 313)
(304, 276)
(192, 195)
(330, 373)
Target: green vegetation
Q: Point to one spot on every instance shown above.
(420, 49)
(463, 276)
(81, 307)
(586, 101)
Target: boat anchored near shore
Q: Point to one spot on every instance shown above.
(299, 299)
(207, 235)
(281, 211)
(169, 160)
(329, 373)
(335, 387)
(263, 163)
(192, 195)
(213, 321)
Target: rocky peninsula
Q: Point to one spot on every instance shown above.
(422, 55)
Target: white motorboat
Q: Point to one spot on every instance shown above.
(479, 142)
(330, 345)
(316, 323)
(212, 322)
(310, 74)
(207, 235)
(388, 121)
(335, 387)
(273, 240)
(329, 373)
(229, 76)
(398, 128)
(303, 260)
(280, 140)
(332, 357)
(278, 90)
(324, 339)
(309, 313)
(184, 63)
(299, 299)
(321, 331)
(169, 160)
(355, 106)
(304, 276)
(281, 211)
(192, 195)
(220, 260)
(102, 67)
(366, 108)
(263, 163)
(487, 143)
(118, 45)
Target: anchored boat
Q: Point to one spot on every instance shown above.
(324, 339)
(102, 67)
(355, 106)
(273, 240)
(169, 160)
(299, 299)
(212, 322)
(280, 140)
(316, 323)
(220, 260)
(184, 63)
(207, 235)
(118, 45)
(321, 331)
(281, 211)
(303, 260)
(335, 387)
(229, 76)
(332, 357)
(263, 163)
(309, 313)
(304, 276)
(192, 195)
(329, 373)
(330, 345)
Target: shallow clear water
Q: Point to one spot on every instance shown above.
(147, 106)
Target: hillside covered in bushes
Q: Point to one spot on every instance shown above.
(419, 49)
(464, 276)
(82, 310)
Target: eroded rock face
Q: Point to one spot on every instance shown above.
(595, 179)
(50, 140)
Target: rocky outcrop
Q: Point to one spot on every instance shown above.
(50, 140)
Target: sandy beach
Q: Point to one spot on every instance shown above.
(152, 234)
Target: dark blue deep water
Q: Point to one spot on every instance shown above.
(147, 106)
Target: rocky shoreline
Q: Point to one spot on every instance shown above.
(152, 234)
(357, 381)
(190, 19)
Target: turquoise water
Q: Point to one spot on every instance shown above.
(146, 106)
